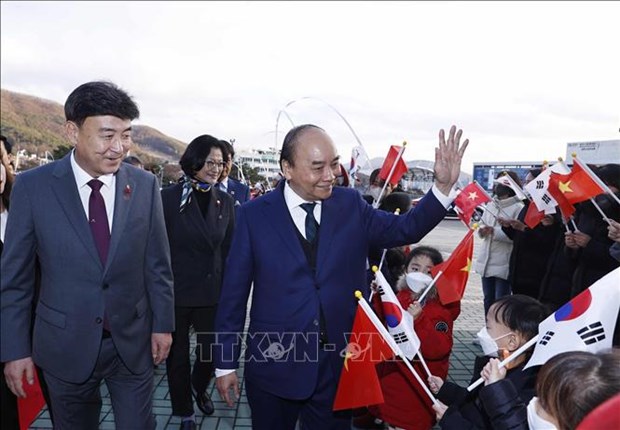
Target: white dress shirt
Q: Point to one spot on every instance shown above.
(224, 184)
(294, 202)
(108, 189)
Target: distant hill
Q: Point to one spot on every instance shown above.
(37, 125)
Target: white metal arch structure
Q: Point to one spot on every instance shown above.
(283, 111)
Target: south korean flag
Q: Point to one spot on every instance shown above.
(538, 188)
(586, 323)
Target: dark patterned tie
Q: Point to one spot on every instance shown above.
(98, 220)
(311, 225)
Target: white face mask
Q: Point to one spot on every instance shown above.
(418, 281)
(534, 421)
(488, 344)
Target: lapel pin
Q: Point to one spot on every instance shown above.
(127, 192)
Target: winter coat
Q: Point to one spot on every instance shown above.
(494, 255)
(406, 404)
(530, 255)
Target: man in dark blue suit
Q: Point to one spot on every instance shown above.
(303, 248)
(237, 190)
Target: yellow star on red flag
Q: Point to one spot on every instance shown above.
(467, 267)
(565, 187)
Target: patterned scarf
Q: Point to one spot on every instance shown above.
(189, 185)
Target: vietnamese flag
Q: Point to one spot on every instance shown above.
(394, 155)
(29, 407)
(468, 199)
(566, 207)
(455, 271)
(576, 186)
(359, 384)
(533, 216)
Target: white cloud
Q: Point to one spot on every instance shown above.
(522, 79)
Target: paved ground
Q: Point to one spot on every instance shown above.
(445, 237)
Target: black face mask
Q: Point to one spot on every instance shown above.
(503, 191)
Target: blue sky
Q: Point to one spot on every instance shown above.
(522, 79)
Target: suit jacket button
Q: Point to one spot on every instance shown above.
(315, 322)
(105, 286)
(98, 320)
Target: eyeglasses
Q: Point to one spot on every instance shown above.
(213, 164)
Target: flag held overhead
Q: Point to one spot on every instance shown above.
(394, 167)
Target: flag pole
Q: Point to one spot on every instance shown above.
(396, 212)
(391, 342)
(493, 200)
(430, 286)
(507, 360)
(417, 377)
(375, 204)
(572, 220)
(598, 208)
(428, 372)
(565, 224)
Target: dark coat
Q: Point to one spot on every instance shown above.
(199, 245)
(465, 409)
(594, 260)
(530, 255)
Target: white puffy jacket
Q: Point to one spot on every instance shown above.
(494, 256)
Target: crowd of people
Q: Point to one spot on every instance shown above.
(105, 276)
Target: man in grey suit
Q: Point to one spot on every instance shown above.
(105, 309)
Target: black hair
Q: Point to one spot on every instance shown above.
(196, 153)
(375, 180)
(99, 98)
(290, 141)
(7, 144)
(426, 251)
(520, 313)
(396, 200)
(535, 171)
(610, 175)
(572, 384)
(503, 190)
(230, 150)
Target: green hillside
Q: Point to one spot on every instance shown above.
(37, 125)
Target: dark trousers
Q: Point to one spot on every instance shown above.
(78, 406)
(494, 288)
(181, 377)
(270, 412)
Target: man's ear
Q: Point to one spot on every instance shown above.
(72, 131)
(286, 169)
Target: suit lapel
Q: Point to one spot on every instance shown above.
(201, 225)
(65, 189)
(278, 215)
(124, 195)
(331, 212)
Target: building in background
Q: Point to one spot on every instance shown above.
(597, 152)
(484, 173)
(265, 161)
